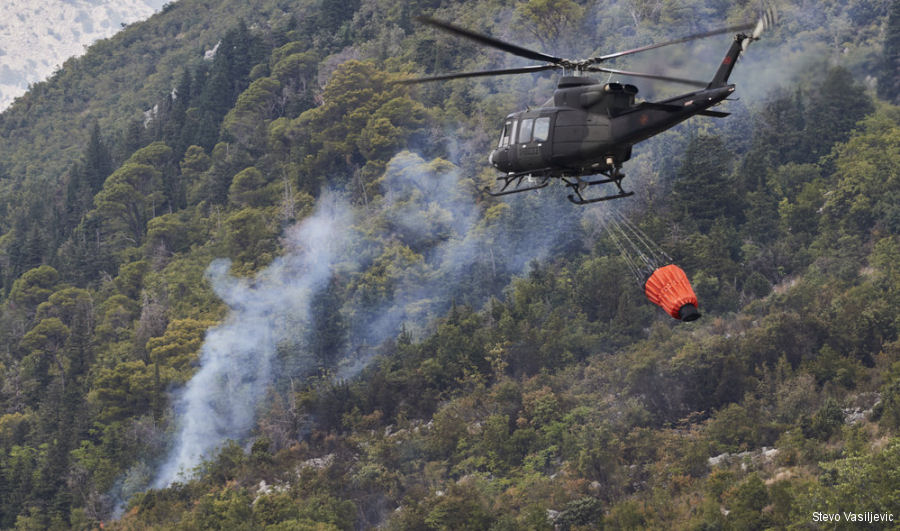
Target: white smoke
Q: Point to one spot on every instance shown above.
(433, 208)
(428, 207)
(219, 403)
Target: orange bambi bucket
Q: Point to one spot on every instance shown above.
(669, 288)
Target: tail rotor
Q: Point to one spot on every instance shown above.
(766, 21)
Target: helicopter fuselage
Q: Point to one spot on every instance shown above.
(590, 127)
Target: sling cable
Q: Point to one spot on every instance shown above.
(664, 283)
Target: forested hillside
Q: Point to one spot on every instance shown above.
(246, 282)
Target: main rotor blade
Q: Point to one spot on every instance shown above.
(729, 29)
(490, 41)
(457, 75)
(681, 80)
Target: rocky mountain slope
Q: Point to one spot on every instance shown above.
(37, 36)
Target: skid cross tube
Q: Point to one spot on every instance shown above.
(578, 184)
(517, 178)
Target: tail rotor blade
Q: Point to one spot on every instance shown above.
(766, 21)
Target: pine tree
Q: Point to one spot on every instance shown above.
(85, 179)
(704, 190)
(97, 160)
(135, 138)
(174, 130)
(333, 17)
(78, 195)
(328, 327)
(889, 82)
(834, 110)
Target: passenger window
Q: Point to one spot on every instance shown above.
(512, 132)
(541, 129)
(525, 130)
(504, 137)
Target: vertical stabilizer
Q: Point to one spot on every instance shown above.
(724, 71)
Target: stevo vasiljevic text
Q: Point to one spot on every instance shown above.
(865, 517)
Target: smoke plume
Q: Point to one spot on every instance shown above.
(428, 241)
(219, 403)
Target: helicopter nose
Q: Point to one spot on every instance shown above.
(491, 158)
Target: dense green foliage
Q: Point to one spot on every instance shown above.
(556, 397)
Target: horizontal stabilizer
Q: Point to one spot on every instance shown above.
(714, 114)
(661, 106)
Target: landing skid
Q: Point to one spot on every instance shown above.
(578, 185)
(517, 178)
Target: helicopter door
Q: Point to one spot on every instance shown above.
(533, 133)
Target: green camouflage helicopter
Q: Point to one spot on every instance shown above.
(584, 133)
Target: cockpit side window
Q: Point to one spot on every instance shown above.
(525, 130)
(504, 136)
(541, 129)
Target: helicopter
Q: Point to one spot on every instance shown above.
(586, 131)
